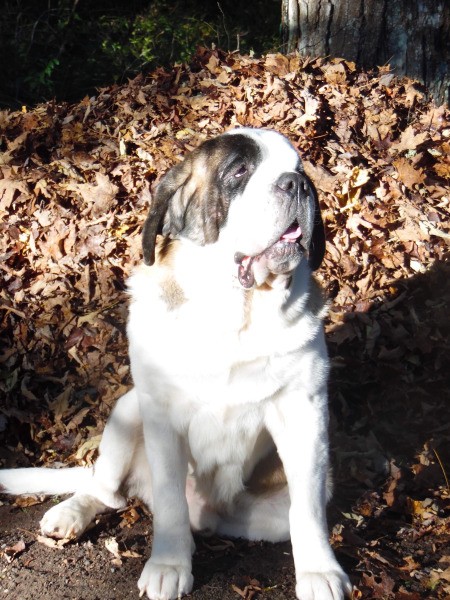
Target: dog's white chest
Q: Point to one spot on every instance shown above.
(224, 444)
(212, 374)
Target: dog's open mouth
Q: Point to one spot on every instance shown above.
(286, 250)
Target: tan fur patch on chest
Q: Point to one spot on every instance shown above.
(172, 293)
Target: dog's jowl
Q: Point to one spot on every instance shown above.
(225, 430)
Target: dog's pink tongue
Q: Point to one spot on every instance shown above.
(292, 234)
(245, 273)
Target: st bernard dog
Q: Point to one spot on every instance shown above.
(225, 430)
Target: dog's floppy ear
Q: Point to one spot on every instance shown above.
(317, 243)
(187, 203)
(171, 182)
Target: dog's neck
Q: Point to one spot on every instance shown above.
(214, 263)
(211, 271)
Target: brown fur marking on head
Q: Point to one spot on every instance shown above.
(193, 198)
(165, 249)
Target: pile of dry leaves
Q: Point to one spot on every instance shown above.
(75, 186)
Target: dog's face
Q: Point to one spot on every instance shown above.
(247, 190)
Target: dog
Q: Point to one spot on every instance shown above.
(225, 430)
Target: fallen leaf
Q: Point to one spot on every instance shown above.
(88, 446)
(10, 552)
(112, 546)
(409, 139)
(53, 543)
(97, 196)
(130, 554)
(407, 174)
(28, 500)
(129, 517)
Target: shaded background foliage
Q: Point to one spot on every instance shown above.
(67, 48)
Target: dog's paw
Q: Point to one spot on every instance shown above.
(165, 582)
(330, 585)
(68, 520)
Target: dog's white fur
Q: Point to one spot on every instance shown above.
(221, 374)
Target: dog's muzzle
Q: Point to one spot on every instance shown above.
(294, 194)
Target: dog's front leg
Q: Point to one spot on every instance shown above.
(298, 423)
(167, 574)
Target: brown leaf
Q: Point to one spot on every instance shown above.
(277, 64)
(410, 564)
(11, 189)
(10, 552)
(404, 594)
(439, 575)
(407, 174)
(409, 140)
(381, 585)
(99, 196)
(130, 554)
(335, 74)
(112, 546)
(28, 500)
(129, 517)
(321, 177)
(311, 106)
(52, 543)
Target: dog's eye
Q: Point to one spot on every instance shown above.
(240, 171)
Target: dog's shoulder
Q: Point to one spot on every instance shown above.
(157, 286)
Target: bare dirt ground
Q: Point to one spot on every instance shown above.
(87, 570)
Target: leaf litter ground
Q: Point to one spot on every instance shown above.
(75, 185)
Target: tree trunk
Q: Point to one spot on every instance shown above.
(413, 36)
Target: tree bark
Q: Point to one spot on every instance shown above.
(413, 36)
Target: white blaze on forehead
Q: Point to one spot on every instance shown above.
(278, 154)
(257, 215)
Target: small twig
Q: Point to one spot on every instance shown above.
(225, 25)
(68, 24)
(32, 533)
(442, 468)
(432, 230)
(239, 36)
(19, 313)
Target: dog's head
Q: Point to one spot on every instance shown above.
(247, 189)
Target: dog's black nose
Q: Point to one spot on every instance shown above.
(292, 183)
(288, 182)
